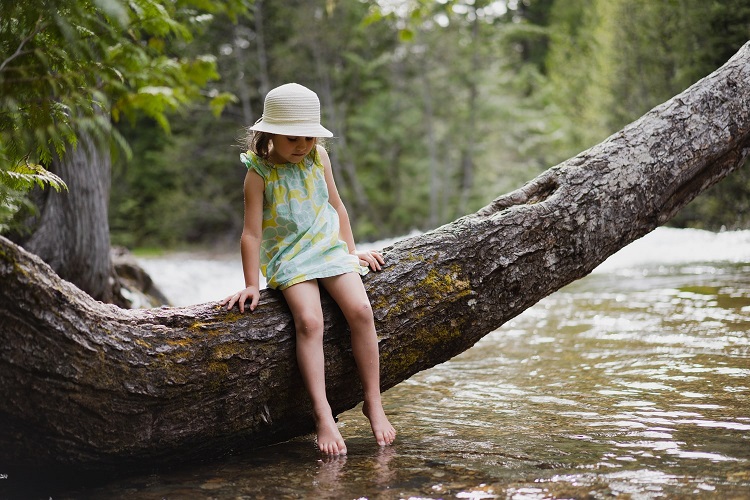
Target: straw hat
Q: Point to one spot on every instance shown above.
(293, 110)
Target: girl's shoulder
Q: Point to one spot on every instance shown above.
(254, 162)
(321, 154)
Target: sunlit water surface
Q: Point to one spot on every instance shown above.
(633, 382)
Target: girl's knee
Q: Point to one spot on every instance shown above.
(309, 325)
(360, 313)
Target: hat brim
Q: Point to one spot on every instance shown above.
(292, 129)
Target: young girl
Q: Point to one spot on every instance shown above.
(297, 232)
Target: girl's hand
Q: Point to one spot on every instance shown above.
(240, 297)
(371, 258)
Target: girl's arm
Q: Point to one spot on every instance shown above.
(252, 233)
(370, 258)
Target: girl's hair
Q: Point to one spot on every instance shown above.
(260, 144)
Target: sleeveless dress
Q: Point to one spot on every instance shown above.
(300, 227)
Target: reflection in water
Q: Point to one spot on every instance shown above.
(633, 382)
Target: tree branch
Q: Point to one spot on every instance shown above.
(37, 28)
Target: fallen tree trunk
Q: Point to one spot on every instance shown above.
(85, 383)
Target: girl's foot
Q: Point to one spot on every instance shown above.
(382, 429)
(330, 441)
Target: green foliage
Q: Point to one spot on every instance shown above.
(437, 106)
(18, 180)
(66, 66)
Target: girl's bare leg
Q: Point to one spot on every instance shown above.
(304, 303)
(349, 293)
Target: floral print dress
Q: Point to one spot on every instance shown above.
(300, 227)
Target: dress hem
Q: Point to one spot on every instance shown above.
(361, 271)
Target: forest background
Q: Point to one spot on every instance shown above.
(437, 106)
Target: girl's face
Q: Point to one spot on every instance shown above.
(290, 149)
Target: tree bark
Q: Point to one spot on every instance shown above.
(72, 233)
(89, 384)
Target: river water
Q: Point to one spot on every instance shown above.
(633, 382)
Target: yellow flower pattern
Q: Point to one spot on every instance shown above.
(300, 227)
